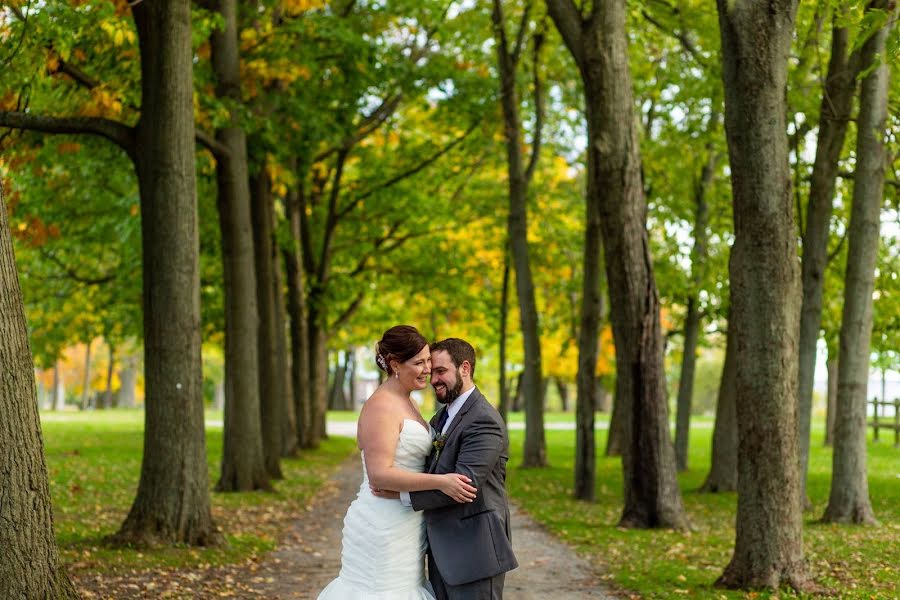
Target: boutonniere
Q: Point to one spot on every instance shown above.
(438, 444)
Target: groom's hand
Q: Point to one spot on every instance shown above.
(386, 494)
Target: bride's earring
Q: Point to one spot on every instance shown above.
(396, 374)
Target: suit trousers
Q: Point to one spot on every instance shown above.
(483, 589)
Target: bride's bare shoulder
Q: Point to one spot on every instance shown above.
(379, 410)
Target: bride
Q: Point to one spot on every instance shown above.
(384, 541)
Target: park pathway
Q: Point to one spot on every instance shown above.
(309, 556)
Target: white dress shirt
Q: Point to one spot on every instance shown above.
(452, 410)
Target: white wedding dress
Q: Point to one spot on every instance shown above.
(383, 556)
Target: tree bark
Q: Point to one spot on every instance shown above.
(765, 288)
(835, 111)
(59, 389)
(831, 404)
(29, 559)
(723, 470)
(562, 389)
(297, 313)
(271, 394)
(692, 319)
(318, 377)
(588, 349)
(125, 398)
(86, 381)
(616, 433)
(243, 464)
(503, 409)
(849, 501)
(110, 370)
(289, 441)
(173, 502)
(535, 452)
(337, 400)
(599, 44)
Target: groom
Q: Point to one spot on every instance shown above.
(469, 544)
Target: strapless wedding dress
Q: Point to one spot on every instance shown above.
(383, 555)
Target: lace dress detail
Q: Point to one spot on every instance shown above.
(383, 554)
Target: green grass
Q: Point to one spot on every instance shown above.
(94, 464)
(857, 562)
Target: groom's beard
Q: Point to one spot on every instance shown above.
(451, 394)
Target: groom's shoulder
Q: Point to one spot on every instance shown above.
(487, 408)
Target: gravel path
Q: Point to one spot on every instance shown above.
(309, 556)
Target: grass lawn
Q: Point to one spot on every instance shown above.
(853, 562)
(94, 463)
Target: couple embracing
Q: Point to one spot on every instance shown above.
(435, 488)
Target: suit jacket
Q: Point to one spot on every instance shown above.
(470, 541)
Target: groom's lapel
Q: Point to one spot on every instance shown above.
(470, 402)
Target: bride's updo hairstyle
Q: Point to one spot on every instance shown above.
(400, 343)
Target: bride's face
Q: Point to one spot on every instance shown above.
(413, 373)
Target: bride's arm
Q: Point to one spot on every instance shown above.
(378, 433)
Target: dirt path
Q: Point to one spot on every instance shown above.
(309, 556)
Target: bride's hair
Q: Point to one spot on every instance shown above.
(400, 343)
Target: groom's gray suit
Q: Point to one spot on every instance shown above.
(469, 544)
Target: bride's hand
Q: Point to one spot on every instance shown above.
(458, 487)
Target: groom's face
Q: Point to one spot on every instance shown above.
(445, 377)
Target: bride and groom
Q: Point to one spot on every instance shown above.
(435, 488)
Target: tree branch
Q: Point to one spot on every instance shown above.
(71, 274)
(348, 312)
(209, 142)
(520, 35)
(120, 134)
(569, 21)
(369, 124)
(538, 108)
(408, 173)
(682, 38)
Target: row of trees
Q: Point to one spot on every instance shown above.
(339, 143)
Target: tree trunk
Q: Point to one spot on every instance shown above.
(765, 288)
(503, 409)
(849, 498)
(336, 398)
(243, 465)
(616, 433)
(588, 348)
(692, 320)
(173, 502)
(289, 442)
(535, 451)
(125, 398)
(271, 394)
(110, 370)
(599, 45)
(29, 560)
(723, 472)
(562, 390)
(517, 397)
(834, 114)
(318, 376)
(297, 313)
(59, 388)
(86, 382)
(831, 405)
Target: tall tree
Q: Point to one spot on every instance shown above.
(723, 471)
(243, 466)
(692, 319)
(599, 44)
(271, 390)
(172, 503)
(765, 289)
(29, 560)
(834, 115)
(520, 174)
(849, 497)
